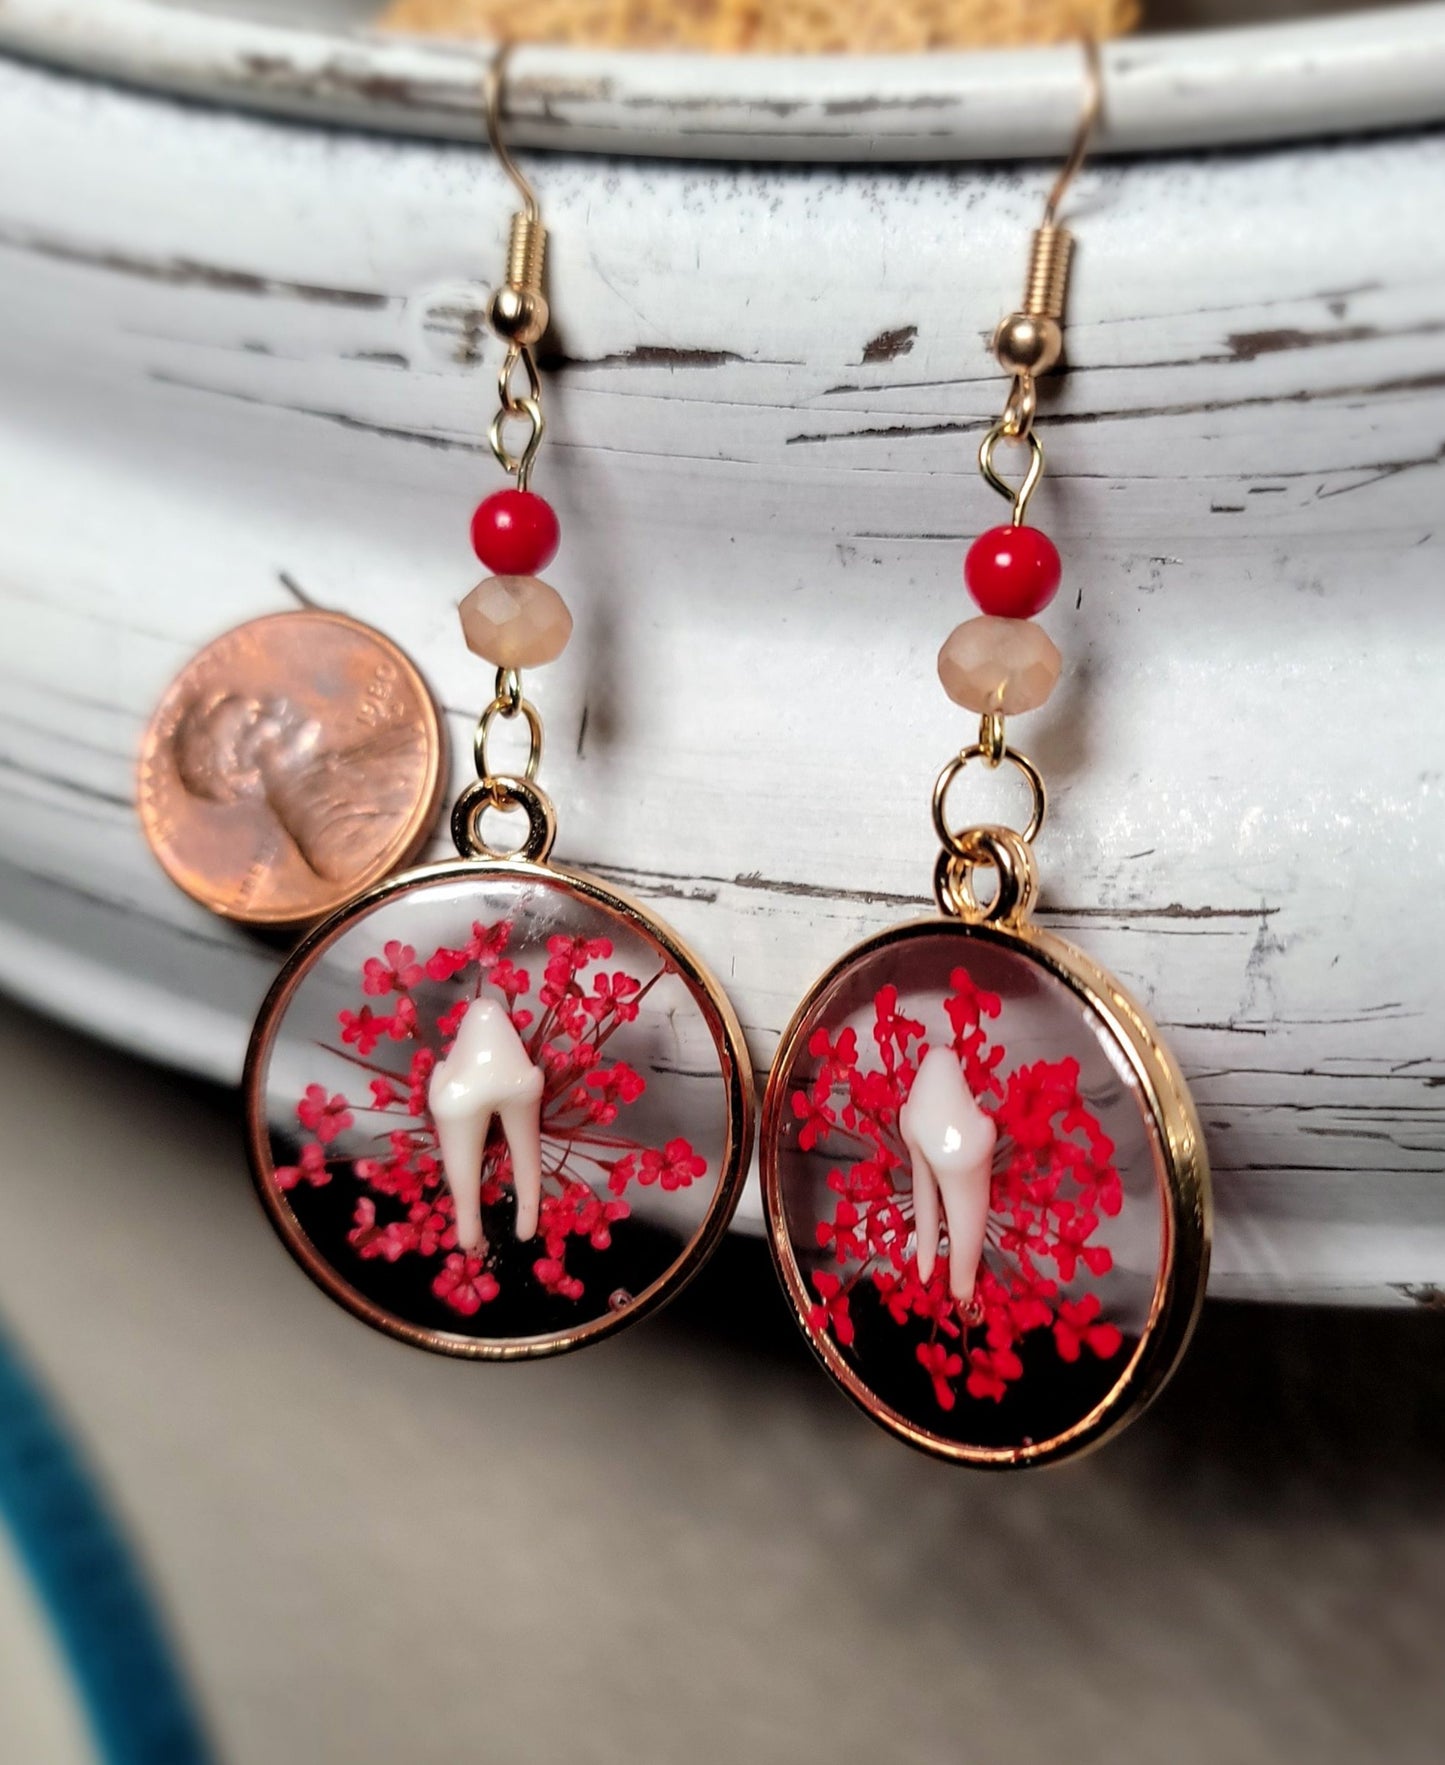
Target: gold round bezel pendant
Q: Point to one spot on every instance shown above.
(377, 1242)
(1167, 1166)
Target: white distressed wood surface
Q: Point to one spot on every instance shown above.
(238, 366)
(1381, 67)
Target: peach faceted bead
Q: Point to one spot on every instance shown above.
(1005, 665)
(515, 621)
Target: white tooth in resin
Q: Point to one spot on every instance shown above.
(488, 1073)
(950, 1141)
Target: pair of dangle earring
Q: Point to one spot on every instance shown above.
(986, 1187)
(498, 1109)
(494, 1107)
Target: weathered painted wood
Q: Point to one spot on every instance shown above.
(1383, 67)
(239, 367)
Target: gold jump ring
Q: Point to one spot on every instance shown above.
(500, 707)
(504, 793)
(959, 844)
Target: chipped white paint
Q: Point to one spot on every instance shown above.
(238, 366)
(950, 1145)
(487, 1075)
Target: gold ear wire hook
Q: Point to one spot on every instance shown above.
(1089, 115)
(1030, 341)
(517, 311)
(494, 90)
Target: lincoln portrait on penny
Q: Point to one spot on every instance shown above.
(231, 748)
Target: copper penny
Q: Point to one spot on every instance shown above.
(292, 763)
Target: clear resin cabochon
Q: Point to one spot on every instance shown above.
(1084, 1234)
(629, 1083)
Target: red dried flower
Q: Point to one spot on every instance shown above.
(465, 1284)
(942, 1367)
(832, 1313)
(393, 972)
(325, 1116)
(1054, 1177)
(583, 1097)
(675, 1167)
(312, 1168)
(1076, 1327)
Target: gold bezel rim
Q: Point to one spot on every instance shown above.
(1181, 1172)
(401, 850)
(736, 1072)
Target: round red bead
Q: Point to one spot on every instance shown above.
(1012, 572)
(515, 533)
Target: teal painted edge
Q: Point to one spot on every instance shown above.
(139, 1707)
